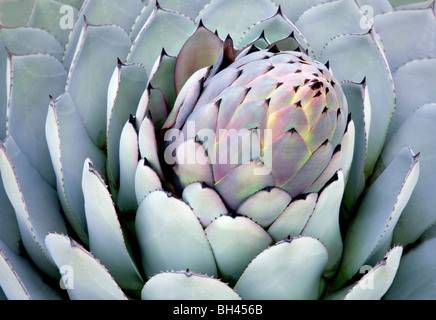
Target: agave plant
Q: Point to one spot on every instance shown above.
(260, 149)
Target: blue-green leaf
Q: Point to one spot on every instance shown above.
(19, 280)
(9, 232)
(415, 28)
(415, 277)
(186, 286)
(106, 238)
(84, 277)
(238, 15)
(22, 41)
(356, 57)
(129, 155)
(164, 29)
(94, 61)
(289, 270)
(375, 282)
(46, 15)
(370, 233)
(35, 203)
(69, 146)
(418, 132)
(171, 237)
(101, 12)
(235, 241)
(323, 223)
(15, 13)
(321, 22)
(31, 79)
(124, 92)
(416, 76)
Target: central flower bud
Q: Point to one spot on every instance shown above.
(268, 119)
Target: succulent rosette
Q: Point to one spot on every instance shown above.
(217, 149)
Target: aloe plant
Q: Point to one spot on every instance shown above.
(217, 149)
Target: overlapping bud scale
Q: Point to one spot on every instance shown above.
(271, 118)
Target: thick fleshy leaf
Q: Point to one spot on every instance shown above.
(171, 237)
(286, 119)
(106, 238)
(205, 202)
(276, 29)
(324, 128)
(417, 29)
(95, 58)
(146, 181)
(235, 241)
(323, 224)
(265, 205)
(376, 281)
(213, 86)
(294, 218)
(200, 50)
(360, 109)
(416, 76)
(415, 4)
(238, 17)
(42, 15)
(19, 280)
(347, 149)
(9, 231)
(142, 18)
(129, 157)
(74, 3)
(186, 99)
(69, 146)
(235, 147)
(311, 170)
(243, 181)
(152, 102)
(294, 9)
(249, 115)
(354, 58)
(164, 29)
(186, 286)
(15, 13)
(191, 8)
(192, 163)
(328, 172)
(35, 203)
(415, 277)
(124, 92)
(370, 233)
(83, 276)
(289, 153)
(148, 146)
(102, 12)
(289, 270)
(201, 124)
(230, 98)
(31, 79)
(320, 23)
(22, 41)
(162, 76)
(418, 132)
(372, 8)
(251, 71)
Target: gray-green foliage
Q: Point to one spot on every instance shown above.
(84, 187)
